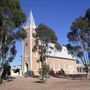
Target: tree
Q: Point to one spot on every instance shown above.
(79, 39)
(44, 36)
(6, 71)
(11, 19)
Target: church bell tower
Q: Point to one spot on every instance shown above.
(28, 44)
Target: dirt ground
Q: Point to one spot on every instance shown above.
(21, 83)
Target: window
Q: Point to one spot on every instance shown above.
(26, 44)
(84, 69)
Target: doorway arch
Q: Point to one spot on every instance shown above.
(26, 67)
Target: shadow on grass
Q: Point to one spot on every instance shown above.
(40, 81)
(72, 77)
(9, 79)
(36, 76)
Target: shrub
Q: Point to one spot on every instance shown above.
(52, 72)
(29, 74)
(1, 80)
(44, 71)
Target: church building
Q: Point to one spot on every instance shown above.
(56, 60)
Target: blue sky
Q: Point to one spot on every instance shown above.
(57, 14)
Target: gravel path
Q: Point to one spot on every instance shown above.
(21, 83)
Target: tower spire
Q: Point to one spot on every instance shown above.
(30, 21)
